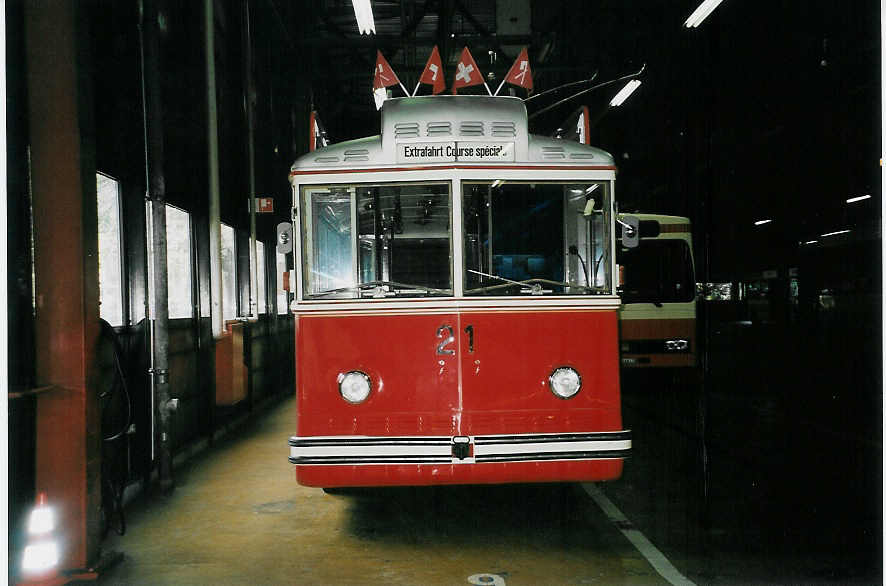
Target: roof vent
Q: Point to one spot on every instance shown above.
(439, 129)
(507, 128)
(471, 128)
(581, 156)
(553, 152)
(357, 155)
(326, 159)
(406, 130)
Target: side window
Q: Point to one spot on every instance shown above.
(229, 272)
(282, 296)
(110, 251)
(178, 262)
(262, 300)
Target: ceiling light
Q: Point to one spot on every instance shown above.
(702, 12)
(810, 242)
(626, 91)
(761, 222)
(835, 233)
(363, 12)
(859, 198)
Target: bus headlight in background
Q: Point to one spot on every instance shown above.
(677, 345)
(565, 382)
(354, 386)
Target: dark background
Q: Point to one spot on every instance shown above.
(769, 110)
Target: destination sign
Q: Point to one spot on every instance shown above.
(450, 152)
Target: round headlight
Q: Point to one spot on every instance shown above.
(565, 382)
(354, 386)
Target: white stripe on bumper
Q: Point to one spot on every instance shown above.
(366, 450)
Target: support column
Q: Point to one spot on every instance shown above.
(68, 450)
(160, 284)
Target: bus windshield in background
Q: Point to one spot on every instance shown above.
(376, 241)
(541, 238)
(658, 271)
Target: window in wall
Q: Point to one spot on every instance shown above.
(110, 251)
(229, 272)
(262, 302)
(178, 262)
(282, 296)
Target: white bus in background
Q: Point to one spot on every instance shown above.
(657, 319)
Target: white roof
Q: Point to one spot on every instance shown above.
(452, 120)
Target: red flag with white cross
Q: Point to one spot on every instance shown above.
(384, 75)
(433, 73)
(520, 74)
(466, 72)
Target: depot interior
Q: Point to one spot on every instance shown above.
(761, 125)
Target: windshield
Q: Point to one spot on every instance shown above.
(385, 240)
(658, 271)
(543, 238)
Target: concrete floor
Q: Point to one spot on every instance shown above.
(238, 517)
(768, 473)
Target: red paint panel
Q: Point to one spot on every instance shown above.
(412, 392)
(660, 329)
(498, 473)
(505, 380)
(645, 329)
(500, 388)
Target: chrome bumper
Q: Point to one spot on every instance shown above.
(369, 450)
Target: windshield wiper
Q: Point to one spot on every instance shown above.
(535, 285)
(379, 290)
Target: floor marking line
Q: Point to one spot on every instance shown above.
(652, 554)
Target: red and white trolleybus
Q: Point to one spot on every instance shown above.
(455, 303)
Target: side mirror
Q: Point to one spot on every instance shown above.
(630, 231)
(284, 237)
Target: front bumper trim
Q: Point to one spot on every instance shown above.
(368, 450)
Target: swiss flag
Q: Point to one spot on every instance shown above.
(466, 72)
(265, 205)
(384, 75)
(433, 73)
(520, 73)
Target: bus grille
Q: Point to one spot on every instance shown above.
(553, 152)
(357, 155)
(504, 129)
(406, 130)
(439, 128)
(471, 128)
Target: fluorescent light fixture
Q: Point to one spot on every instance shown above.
(496, 183)
(702, 12)
(40, 557)
(626, 91)
(363, 11)
(835, 233)
(41, 521)
(810, 242)
(591, 188)
(761, 222)
(859, 198)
